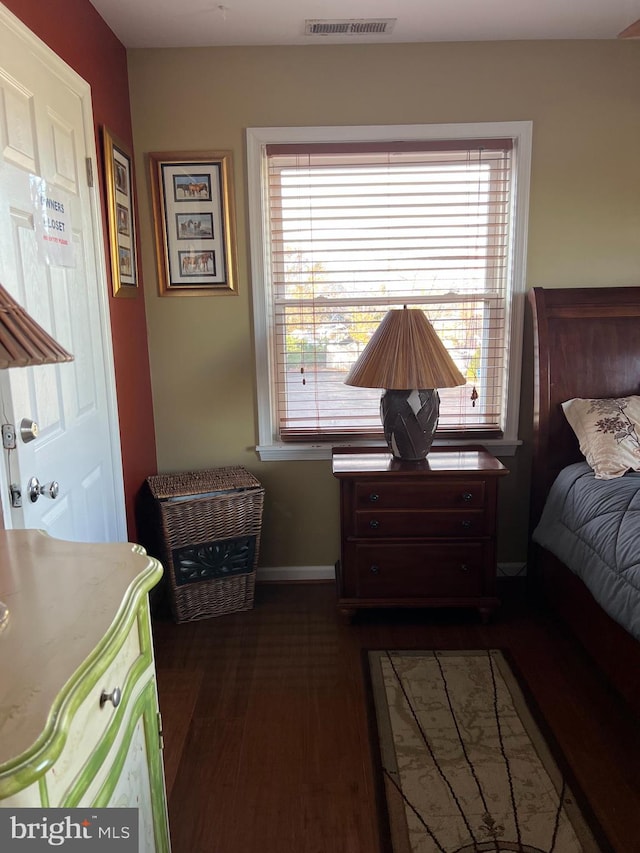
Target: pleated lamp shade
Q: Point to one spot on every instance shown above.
(631, 32)
(23, 342)
(406, 357)
(405, 352)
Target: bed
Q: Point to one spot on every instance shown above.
(586, 346)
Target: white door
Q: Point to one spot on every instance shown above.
(46, 130)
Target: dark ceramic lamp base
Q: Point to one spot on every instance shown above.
(409, 419)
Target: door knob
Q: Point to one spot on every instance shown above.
(35, 489)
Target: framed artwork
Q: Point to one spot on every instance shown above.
(120, 210)
(194, 218)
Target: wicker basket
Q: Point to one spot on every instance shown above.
(208, 538)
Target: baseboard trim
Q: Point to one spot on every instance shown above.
(295, 573)
(327, 573)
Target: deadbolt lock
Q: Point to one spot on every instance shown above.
(28, 430)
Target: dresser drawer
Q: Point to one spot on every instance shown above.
(420, 523)
(436, 494)
(419, 571)
(91, 720)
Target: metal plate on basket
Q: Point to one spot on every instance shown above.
(218, 559)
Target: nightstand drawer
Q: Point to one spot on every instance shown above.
(419, 571)
(436, 494)
(420, 523)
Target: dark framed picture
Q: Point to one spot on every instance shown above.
(120, 177)
(192, 187)
(194, 219)
(121, 216)
(197, 263)
(194, 225)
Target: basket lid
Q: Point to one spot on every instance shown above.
(195, 483)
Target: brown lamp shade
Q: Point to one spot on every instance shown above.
(631, 32)
(405, 352)
(23, 342)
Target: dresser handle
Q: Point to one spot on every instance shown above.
(467, 496)
(113, 697)
(464, 567)
(374, 524)
(467, 523)
(373, 497)
(374, 569)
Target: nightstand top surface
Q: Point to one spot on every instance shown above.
(349, 462)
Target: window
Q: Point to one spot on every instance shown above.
(347, 223)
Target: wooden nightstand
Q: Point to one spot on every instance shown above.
(417, 534)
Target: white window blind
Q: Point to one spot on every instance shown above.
(357, 229)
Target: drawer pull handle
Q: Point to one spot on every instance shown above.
(113, 697)
(464, 567)
(374, 524)
(467, 523)
(467, 496)
(373, 497)
(374, 570)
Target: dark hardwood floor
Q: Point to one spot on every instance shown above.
(266, 725)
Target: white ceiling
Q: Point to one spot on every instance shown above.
(200, 23)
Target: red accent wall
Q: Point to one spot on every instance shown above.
(77, 33)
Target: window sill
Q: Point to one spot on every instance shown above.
(309, 452)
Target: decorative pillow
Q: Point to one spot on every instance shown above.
(608, 432)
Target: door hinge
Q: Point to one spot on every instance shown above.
(16, 495)
(160, 733)
(89, 165)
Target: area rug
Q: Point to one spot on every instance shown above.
(465, 768)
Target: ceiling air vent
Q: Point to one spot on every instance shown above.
(349, 27)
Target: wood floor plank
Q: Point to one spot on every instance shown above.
(266, 720)
(180, 689)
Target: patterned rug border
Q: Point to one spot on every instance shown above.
(525, 704)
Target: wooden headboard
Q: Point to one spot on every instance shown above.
(586, 344)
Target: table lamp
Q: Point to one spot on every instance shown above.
(23, 342)
(406, 357)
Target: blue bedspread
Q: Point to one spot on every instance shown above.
(593, 527)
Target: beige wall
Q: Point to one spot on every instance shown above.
(584, 224)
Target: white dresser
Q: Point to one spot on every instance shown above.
(79, 719)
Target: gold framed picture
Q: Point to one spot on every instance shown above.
(194, 220)
(121, 214)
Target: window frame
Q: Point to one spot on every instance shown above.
(269, 447)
